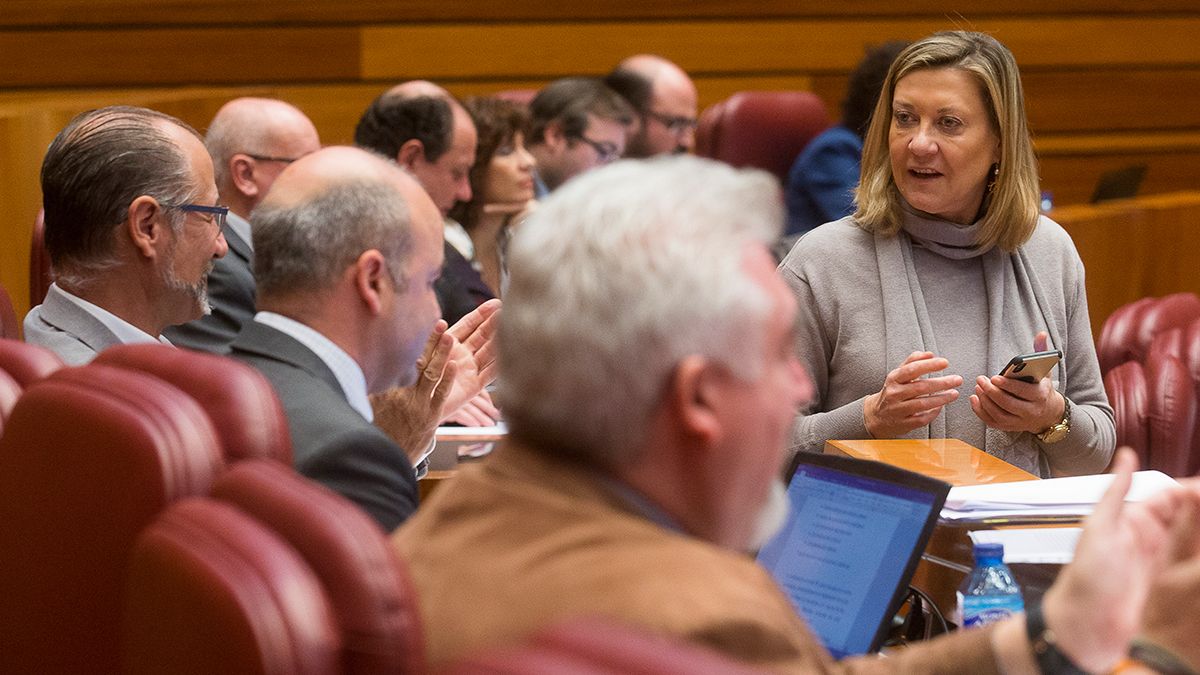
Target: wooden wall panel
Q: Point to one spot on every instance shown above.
(174, 12)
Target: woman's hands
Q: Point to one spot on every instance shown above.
(907, 401)
(1009, 404)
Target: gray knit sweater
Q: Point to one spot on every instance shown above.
(841, 274)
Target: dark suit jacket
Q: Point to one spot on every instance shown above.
(332, 443)
(460, 289)
(231, 294)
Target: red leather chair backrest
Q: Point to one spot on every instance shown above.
(10, 327)
(370, 591)
(89, 457)
(1156, 409)
(1184, 344)
(10, 391)
(1128, 331)
(27, 363)
(600, 647)
(40, 274)
(522, 97)
(248, 416)
(762, 129)
(211, 590)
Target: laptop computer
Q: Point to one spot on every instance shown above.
(850, 546)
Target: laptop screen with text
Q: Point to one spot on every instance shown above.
(850, 546)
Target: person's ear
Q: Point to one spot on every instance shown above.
(146, 225)
(410, 152)
(241, 172)
(370, 270)
(694, 391)
(554, 137)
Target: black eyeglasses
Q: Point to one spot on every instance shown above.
(676, 124)
(219, 213)
(268, 158)
(605, 151)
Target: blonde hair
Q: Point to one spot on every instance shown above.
(1012, 207)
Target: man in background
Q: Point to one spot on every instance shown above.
(132, 229)
(666, 103)
(348, 247)
(250, 141)
(576, 124)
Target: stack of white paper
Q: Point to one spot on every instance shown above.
(1051, 498)
(1043, 545)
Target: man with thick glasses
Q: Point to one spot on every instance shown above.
(576, 124)
(665, 99)
(133, 225)
(250, 140)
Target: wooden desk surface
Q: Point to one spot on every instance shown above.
(946, 459)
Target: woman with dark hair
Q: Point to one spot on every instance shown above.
(501, 186)
(820, 185)
(947, 265)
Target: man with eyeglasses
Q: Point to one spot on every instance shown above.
(132, 228)
(250, 140)
(666, 102)
(576, 124)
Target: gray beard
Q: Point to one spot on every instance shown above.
(772, 516)
(197, 292)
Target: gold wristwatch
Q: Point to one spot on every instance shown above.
(1058, 431)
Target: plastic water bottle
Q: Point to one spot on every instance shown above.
(990, 593)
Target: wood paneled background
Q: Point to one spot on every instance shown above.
(1108, 82)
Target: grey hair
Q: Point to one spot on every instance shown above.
(94, 169)
(619, 275)
(304, 247)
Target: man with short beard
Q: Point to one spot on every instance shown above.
(132, 229)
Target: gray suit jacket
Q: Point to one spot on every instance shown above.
(67, 330)
(331, 442)
(231, 294)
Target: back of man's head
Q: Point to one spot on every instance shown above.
(95, 167)
(393, 119)
(323, 212)
(569, 101)
(256, 130)
(615, 278)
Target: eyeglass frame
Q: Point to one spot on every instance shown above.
(219, 213)
(605, 151)
(676, 124)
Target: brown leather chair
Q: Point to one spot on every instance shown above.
(600, 647)
(10, 327)
(89, 457)
(244, 408)
(212, 590)
(761, 129)
(373, 600)
(40, 274)
(1155, 410)
(1128, 331)
(27, 363)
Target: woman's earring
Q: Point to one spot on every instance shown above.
(993, 174)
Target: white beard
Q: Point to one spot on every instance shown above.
(771, 517)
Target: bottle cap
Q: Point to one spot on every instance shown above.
(992, 550)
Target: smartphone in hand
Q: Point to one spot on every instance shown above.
(1032, 367)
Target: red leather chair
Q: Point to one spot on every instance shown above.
(40, 274)
(1128, 332)
(1155, 409)
(211, 590)
(244, 408)
(372, 597)
(10, 327)
(600, 647)
(27, 363)
(522, 97)
(10, 391)
(89, 457)
(762, 129)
